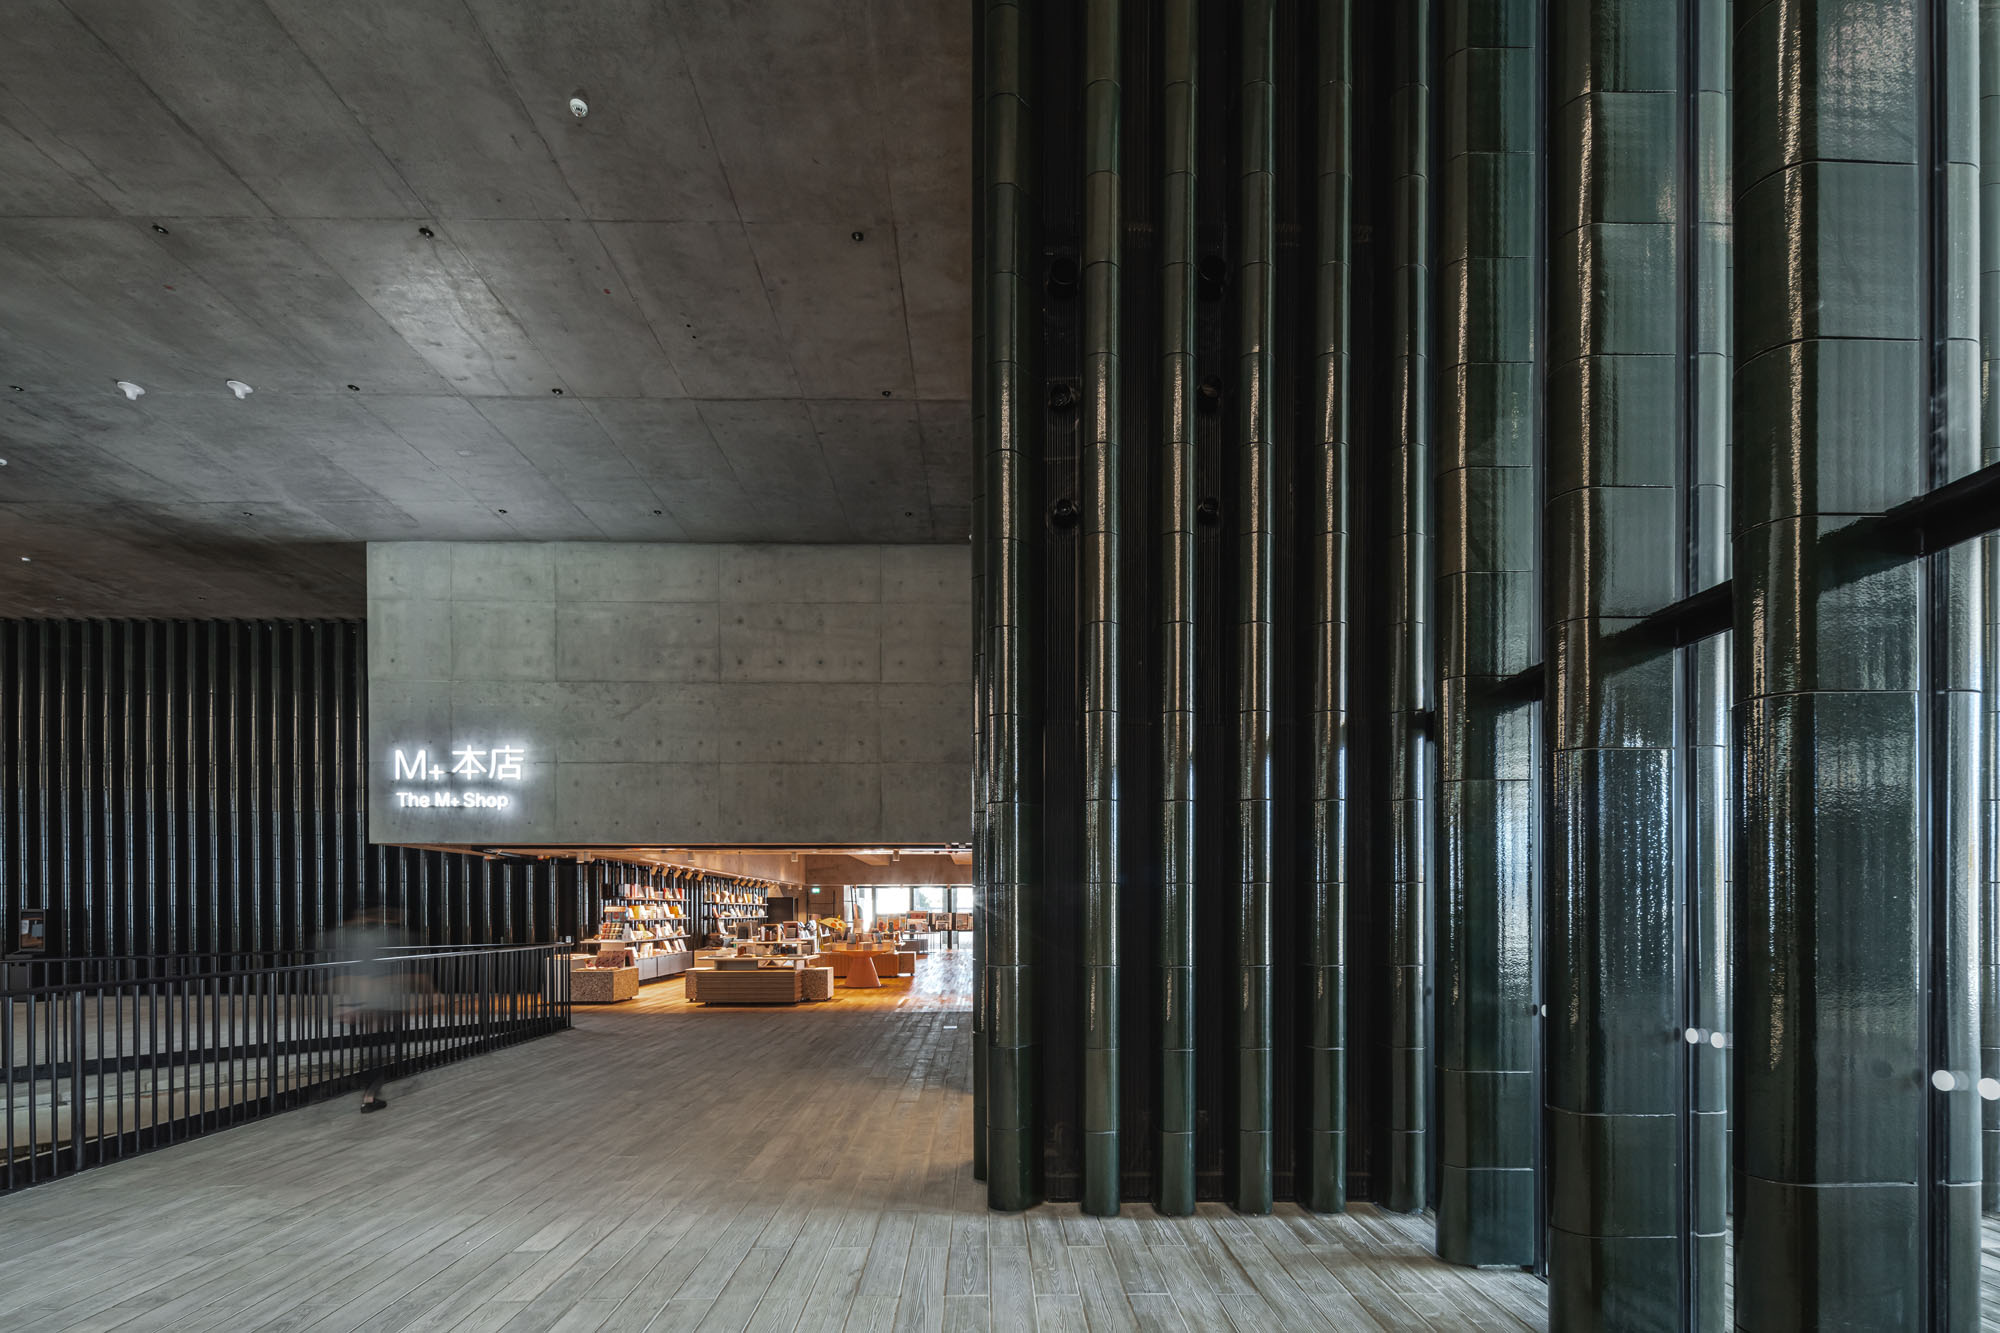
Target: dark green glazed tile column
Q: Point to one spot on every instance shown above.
(1989, 425)
(1256, 603)
(1178, 501)
(980, 735)
(1103, 233)
(1323, 1181)
(1956, 670)
(1705, 763)
(1012, 651)
(1408, 597)
(1855, 170)
(1487, 629)
(1613, 523)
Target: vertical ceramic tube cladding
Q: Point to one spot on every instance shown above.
(1323, 1180)
(1614, 523)
(1012, 650)
(1177, 580)
(980, 704)
(1855, 170)
(1408, 671)
(1256, 501)
(1955, 681)
(1487, 629)
(1704, 777)
(1989, 426)
(1103, 230)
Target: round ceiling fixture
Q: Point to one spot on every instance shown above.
(239, 388)
(578, 107)
(130, 390)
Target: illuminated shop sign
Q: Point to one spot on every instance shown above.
(466, 777)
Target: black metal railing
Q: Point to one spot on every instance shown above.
(140, 1054)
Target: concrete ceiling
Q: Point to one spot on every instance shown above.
(654, 323)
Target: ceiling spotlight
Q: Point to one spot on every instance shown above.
(129, 389)
(27, 559)
(239, 388)
(577, 106)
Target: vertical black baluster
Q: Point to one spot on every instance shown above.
(7, 1062)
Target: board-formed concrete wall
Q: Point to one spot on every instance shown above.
(676, 694)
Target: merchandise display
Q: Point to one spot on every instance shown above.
(727, 906)
(651, 923)
(754, 975)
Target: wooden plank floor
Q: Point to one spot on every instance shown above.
(670, 1166)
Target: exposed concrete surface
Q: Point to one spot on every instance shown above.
(650, 324)
(671, 694)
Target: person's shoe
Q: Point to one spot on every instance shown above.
(377, 1105)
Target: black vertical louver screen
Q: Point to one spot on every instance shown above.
(200, 787)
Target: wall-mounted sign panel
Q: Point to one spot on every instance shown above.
(458, 777)
(580, 693)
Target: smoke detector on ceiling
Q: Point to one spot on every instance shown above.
(239, 388)
(578, 107)
(130, 390)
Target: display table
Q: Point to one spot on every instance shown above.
(602, 985)
(759, 985)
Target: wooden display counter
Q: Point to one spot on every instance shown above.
(784, 984)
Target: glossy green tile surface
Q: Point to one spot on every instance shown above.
(1486, 492)
(1858, 717)
(1987, 980)
(1009, 755)
(1255, 607)
(1616, 528)
(1404, 509)
(1177, 518)
(1101, 602)
(1323, 1170)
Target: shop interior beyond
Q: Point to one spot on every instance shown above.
(757, 927)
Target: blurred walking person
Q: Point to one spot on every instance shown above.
(375, 995)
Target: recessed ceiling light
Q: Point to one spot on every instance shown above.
(426, 233)
(856, 235)
(578, 107)
(355, 387)
(556, 390)
(239, 388)
(27, 559)
(129, 389)
(17, 388)
(158, 228)
(465, 453)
